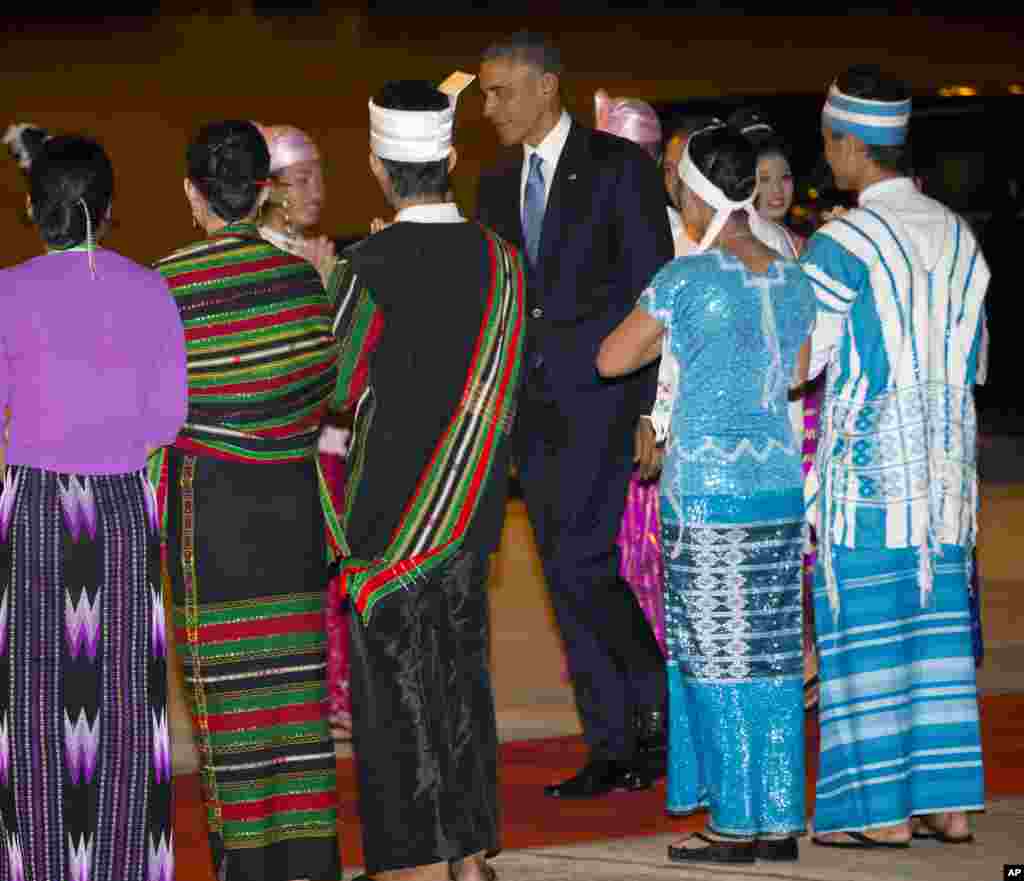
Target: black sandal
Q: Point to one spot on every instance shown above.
(715, 851)
(778, 850)
(860, 842)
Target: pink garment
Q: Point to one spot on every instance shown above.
(812, 417)
(639, 542)
(629, 118)
(287, 145)
(339, 700)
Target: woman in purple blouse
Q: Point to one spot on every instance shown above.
(92, 369)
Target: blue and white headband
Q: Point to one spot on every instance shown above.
(883, 123)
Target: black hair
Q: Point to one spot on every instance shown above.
(727, 159)
(229, 162)
(757, 128)
(411, 180)
(684, 126)
(527, 47)
(871, 82)
(70, 175)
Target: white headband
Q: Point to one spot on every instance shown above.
(417, 135)
(692, 176)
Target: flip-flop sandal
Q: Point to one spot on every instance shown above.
(860, 841)
(925, 832)
(714, 851)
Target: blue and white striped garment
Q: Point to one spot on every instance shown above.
(898, 710)
(900, 283)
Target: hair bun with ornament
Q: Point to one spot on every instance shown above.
(24, 140)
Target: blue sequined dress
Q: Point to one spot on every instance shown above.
(732, 513)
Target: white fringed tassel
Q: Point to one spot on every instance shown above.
(89, 241)
(925, 573)
(825, 504)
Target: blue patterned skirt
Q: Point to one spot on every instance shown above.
(733, 622)
(899, 704)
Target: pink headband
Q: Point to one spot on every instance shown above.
(287, 146)
(629, 118)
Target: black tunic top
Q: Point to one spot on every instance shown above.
(430, 281)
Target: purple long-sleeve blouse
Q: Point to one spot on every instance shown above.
(92, 369)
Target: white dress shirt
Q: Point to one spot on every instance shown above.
(550, 150)
(434, 212)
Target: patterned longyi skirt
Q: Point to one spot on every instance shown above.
(246, 555)
(85, 759)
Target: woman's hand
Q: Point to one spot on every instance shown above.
(379, 223)
(647, 455)
(323, 255)
(834, 213)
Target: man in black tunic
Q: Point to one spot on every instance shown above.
(427, 498)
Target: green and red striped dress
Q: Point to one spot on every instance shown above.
(246, 552)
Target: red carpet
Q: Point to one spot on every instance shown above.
(532, 820)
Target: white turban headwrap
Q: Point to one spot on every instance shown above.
(417, 135)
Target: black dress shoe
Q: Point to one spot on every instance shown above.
(652, 742)
(599, 777)
(777, 850)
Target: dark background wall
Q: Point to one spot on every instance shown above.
(143, 84)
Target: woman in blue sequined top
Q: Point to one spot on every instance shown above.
(736, 318)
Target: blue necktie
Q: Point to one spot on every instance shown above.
(533, 207)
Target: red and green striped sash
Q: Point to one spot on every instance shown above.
(441, 509)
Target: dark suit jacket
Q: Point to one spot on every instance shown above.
(605, 234)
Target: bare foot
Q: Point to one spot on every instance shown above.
(433, 872)
(900, 833)
(949, 824)
(695, 842)
(473, 868)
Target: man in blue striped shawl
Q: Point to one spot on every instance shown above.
(900, 283)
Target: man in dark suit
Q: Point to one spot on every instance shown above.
(587, 208)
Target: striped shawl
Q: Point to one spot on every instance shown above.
(442, 506)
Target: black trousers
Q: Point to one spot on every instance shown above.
(423, 724)
(575, 457)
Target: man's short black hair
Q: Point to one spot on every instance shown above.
(871, 82)
(412, 180)
(410, 95)
(527, 47)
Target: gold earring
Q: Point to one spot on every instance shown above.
(287, 218)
